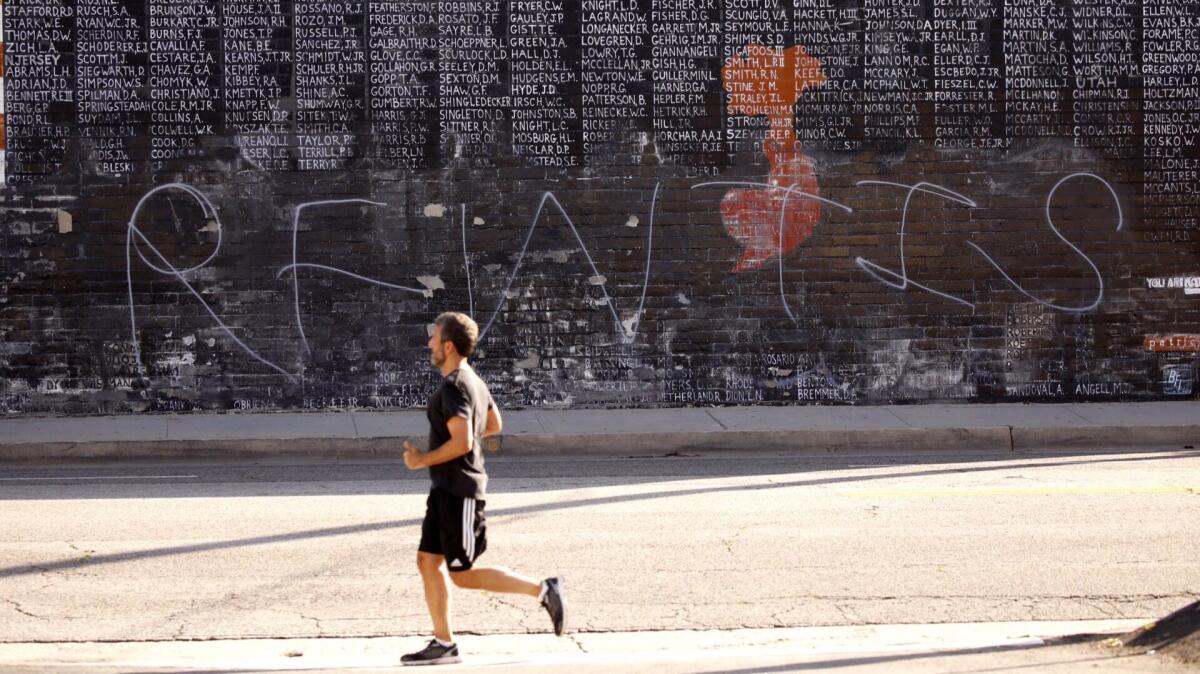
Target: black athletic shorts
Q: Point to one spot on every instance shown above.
(455, 528)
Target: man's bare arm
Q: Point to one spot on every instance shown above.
(458, 445)
(494, 423)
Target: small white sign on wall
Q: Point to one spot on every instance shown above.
(1190, 284)
(1177, 380)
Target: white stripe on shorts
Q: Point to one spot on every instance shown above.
(469, 528)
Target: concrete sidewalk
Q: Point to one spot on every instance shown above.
(362, 434)
(904, 649)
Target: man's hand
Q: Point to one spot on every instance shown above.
(413, 458)
(456, 446)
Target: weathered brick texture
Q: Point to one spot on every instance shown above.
(235, 204)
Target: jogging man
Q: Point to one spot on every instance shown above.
(454, 532)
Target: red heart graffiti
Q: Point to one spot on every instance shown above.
(771, 221)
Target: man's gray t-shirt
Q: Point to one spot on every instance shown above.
(462, 394)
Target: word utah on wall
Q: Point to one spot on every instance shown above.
(244, 204)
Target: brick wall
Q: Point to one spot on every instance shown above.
(244, 205)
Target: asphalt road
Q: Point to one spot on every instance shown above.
(160, 551)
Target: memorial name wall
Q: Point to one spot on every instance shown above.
(261, 204)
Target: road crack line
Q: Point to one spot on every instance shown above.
(22, 611)
(317, 622)
(578, 645)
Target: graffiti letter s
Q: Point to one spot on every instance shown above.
(1050, 221)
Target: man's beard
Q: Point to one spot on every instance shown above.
(437, 358)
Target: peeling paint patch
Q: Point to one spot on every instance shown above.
(435, 211)
(65, 222)
(597, 280)
(682, 299)
(560, 256)
(632, 221)
(211, 226)
(211, 341)
(432, 283)
(181, 359)
(189, 340)
(477, 221)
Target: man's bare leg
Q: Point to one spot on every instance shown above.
(437, 593)
(496, 579)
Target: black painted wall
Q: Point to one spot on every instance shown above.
(236, 204)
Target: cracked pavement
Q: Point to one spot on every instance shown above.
(291, 549)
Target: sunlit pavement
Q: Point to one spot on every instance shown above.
(896, 648)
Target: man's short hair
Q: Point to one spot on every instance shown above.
(460, 329)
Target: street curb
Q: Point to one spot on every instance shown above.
(807, 441)
(1075, 437)
(992, 438)
(232, 449)
(524, 444)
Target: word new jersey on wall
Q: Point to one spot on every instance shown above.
(262, 204)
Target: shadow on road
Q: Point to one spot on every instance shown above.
(1082, 661)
